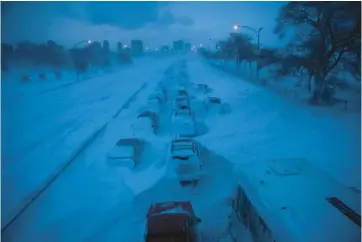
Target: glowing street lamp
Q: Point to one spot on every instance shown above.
(257, 33)
(81, 42)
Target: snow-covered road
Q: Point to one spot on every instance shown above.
(41, 133)
(93, 201)
(263, 125)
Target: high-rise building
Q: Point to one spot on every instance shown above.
(178, 45)
(136, 47)
(187, 46)
(165, 48)
(119, 47)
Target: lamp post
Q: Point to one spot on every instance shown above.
(78, 57)
(81, 42)
(257, 33)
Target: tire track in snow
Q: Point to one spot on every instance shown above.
(63, 168)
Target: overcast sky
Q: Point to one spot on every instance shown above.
(155, 23)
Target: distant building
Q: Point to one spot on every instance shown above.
(165, 48)
(119, 47)
(187, 46)
(178, 45)
(127, 50)
(201, 49)
(136, 47)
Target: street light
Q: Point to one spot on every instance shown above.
(257, 33)
(81, 42)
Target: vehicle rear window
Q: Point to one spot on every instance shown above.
(177, 157)
(168, 238)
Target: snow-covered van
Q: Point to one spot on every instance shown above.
(172, 221)
(185, 156)
(290, 200)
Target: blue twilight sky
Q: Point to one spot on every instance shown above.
(156, 23)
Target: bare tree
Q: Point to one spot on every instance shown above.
(242, 47)
(334, 32)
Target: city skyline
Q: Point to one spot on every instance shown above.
(156, 23)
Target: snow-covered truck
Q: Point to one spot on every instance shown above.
(290, 200)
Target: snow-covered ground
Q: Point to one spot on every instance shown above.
(95, 201)
(41, 132)
(294, 87)
(263, 125)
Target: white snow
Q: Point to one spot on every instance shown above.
(263, 125)
(143, 180)
(303, 191)
(121, 151)
(94, 201)
(43, 131)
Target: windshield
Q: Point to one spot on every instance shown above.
(93, 94)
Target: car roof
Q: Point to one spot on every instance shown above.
(293, 188)
(179, 144)
(182, 98)
(171, 207)
(183, 147)
(121, 151)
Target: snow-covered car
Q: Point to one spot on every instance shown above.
(203, 88)
(182, 92)
(172, 221)
(214, 100)
(122, 155)
(154, 103)
(186, 156)
(159, 94)
(182, 108)
(183, 125)
(146, 121)
(182, 102)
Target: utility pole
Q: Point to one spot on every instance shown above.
(257, 32)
